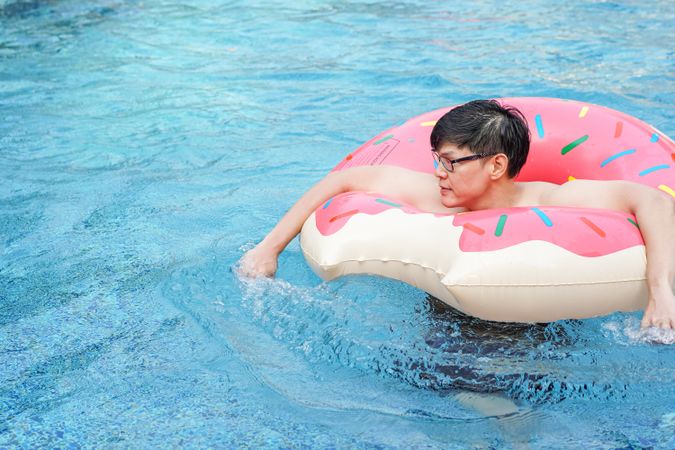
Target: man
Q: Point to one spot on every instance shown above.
(480, 147)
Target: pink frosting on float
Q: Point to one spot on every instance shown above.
(569, 140)
(336, 212)
(586, 232)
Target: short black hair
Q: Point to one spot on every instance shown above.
(487, 127)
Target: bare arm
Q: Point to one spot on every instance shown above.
(415, 188)
(655, 213)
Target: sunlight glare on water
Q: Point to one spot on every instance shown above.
(145, 144)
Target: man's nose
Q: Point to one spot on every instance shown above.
(440, 171)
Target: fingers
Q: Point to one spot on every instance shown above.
(663, 323)
(660, 323)
(646, 322)
(258, 262)
(256, 269)
(647, 317)
(252, 271)
(247, 268)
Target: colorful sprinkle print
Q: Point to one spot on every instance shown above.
(500, 225)
(384, 139)
(593, 226)
(610, 231)
(667, 189)
(619, 142)
(540, 126)
(566, 149)
(654, 169)
(473, 228)
(544, 218)
(387, 202)
(617, 156)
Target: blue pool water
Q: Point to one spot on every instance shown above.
(144, 145)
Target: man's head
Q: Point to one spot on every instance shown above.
(481, 146)
(485, 127)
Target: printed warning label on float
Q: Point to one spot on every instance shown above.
(374, 155)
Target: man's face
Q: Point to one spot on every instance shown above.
(468, 180)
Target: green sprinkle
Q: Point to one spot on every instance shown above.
(634, 223)
(573, 144)
(386, 138)
(386, 202)
(500, 225)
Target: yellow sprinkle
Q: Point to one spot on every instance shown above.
(583, 112)
(429, 124)
(667, 189)
(570, 178)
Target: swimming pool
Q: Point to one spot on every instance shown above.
(145, 145)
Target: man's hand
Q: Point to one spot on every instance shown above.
(258, 262)
(660, 310)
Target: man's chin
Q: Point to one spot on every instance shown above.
(450, 202)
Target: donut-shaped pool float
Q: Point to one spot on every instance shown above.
(537, 264)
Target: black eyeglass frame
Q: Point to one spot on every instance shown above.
(452, 162)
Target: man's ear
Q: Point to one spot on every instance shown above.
(499, 166)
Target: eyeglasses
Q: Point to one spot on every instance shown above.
(449, 164)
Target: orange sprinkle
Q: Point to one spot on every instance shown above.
(618, 129)
(672, 156)
(474, 228)
(349, 157)
(344, 214)
(593, 227)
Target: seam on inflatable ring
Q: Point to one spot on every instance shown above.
(371, 260)
(631, 280)
(442, 275)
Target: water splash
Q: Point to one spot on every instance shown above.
(629, 332)
(425, 345)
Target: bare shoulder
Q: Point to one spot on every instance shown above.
(418, 189)
(607, 194)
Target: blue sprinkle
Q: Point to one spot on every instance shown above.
(435, 164)
(655, 137)
(543, 217)
(618, 155)
(540, 126)
(386, 202)
(327, 203)
(654, 169)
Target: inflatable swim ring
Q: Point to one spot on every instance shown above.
(514, 265)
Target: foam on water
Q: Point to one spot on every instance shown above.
(631, 332)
